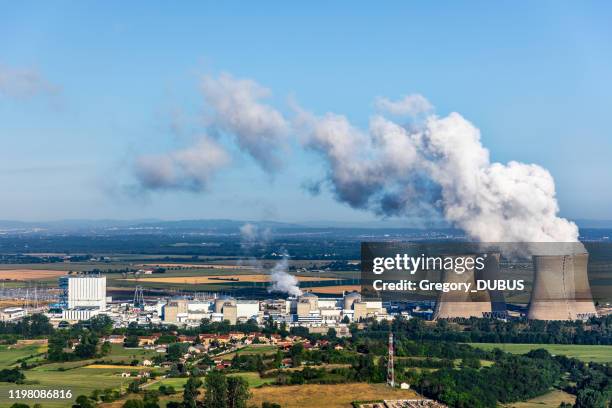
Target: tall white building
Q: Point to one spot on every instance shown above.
(86, 291)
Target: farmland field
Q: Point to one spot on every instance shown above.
(10, 354)
(325, 395)
(252, 349)
(551, 400)
(29, 274)
(225, 279)
(599, 354)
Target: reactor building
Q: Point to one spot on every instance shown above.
(83, 296)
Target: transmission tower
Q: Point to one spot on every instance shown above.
(390, 371)
(138, 297)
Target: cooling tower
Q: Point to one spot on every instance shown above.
(491, 273)
(561, 288)
(458, 304)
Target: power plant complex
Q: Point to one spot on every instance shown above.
(561, 290)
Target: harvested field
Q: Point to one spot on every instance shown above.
(225, 279)
(198, 266)
(326, 395)
(29, 274)
(332, 290)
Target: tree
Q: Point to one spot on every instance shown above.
(133, 403)
(216, 390)
(57, 342)
(590, 398)
(176, 351)
(237, 392)
(191, 392)
(20, 405)
(131, 341)
(331, 333)
(11, 375)
(87, 346)
(134, 387)
(267, 404)
(83, 401)
(105, 349)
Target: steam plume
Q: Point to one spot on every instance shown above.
(283, 281)
(187, 169)
(259, 129)
(440, 164)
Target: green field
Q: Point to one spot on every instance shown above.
(71, 375)
(252, 349)
(253, 379)
(599, 354)
(10, 354)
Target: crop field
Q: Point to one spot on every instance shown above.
(551, 400)
(81, 377)
(334, 290)
(252, 349)
(250, 278)
(599, 354)
(10, 354)
(253, 379)
(325, 395)
(29, 274)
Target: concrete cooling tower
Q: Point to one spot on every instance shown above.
(491, 273)
(561, 288)
(458, 304)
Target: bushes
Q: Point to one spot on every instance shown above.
(11, 375)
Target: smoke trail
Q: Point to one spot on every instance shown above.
(282, 281)
(440, 165)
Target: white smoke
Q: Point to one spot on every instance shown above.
(437, 164)
(185, 169)
(283, 281)
(252, 235)
(259, 129)
(409, 105)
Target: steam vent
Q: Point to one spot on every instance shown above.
(561, 288)
(457, 304)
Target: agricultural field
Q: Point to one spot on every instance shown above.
(10, 354)
(251, 349)
(599, 354)
(234, 278)
(81, 377)
(253, 379)
(325, 395)
(551, 400)
(29, 274)
(334, 290)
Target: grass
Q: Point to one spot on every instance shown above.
(325, 395)
(10, 354)
(553, 399)
(599, 354)
(78, 381)
(78, 376)
(252, 349)
(253, 378)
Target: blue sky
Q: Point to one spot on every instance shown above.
(535, 77)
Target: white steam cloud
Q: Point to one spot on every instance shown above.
(283, 281)
(432, 165)
(259, 129)
(438, 164)
(409, 105)
(186, 169)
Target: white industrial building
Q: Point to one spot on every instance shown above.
(86, 291)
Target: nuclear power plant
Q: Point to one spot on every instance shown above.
(459, 304)
(561, 288)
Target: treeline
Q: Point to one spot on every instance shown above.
(596, 331)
